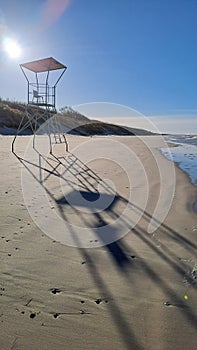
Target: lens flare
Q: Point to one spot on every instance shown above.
(11, 47)
(52, 10)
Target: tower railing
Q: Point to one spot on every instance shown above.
(41, 94)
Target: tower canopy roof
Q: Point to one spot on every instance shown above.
(43, 65)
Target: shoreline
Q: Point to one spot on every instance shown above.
(172, 144)
(183, 154)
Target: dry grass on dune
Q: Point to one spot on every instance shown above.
(67, 119)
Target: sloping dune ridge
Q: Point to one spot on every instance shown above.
(69, 120)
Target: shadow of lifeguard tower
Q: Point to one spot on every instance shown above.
(42, 77)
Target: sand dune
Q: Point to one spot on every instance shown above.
(66, 121)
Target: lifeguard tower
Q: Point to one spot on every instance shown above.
(42, 77)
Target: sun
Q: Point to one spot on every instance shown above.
(12, 48)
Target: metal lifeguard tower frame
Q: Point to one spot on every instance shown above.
(41, 96)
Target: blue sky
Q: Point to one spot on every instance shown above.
(138, 53)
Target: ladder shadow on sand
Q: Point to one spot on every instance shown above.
(122, 325)
(88, 180)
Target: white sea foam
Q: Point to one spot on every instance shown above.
(184, 154)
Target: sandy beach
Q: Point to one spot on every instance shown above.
(72, 286)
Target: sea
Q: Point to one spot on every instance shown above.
(184, 154)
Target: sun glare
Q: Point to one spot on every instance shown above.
(12, 48)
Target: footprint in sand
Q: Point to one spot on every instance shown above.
(2, 289)
(55, 290)
(167, 303)
(98, 301)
